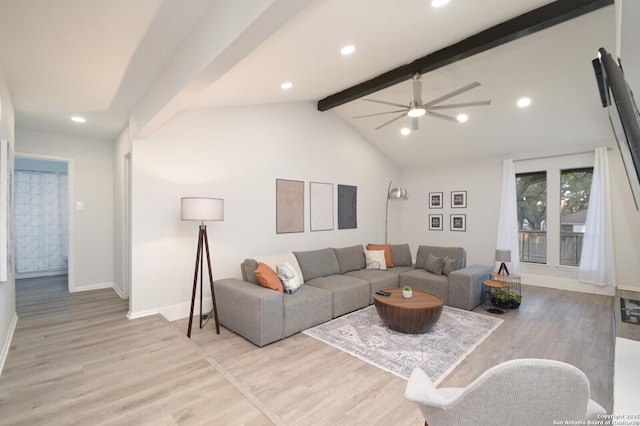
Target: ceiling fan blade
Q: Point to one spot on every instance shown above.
(381, 113)
(414, 124)
(452, 94)
(460, 105)
(391, 121)
(417, 91)
(442, 116)
(386, 103)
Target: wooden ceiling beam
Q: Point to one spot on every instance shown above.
(528, 23)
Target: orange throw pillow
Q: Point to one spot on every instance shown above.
(387, 253)
(267, 278)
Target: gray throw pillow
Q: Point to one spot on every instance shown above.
(450, 265)
(401, 255)
(434, 264)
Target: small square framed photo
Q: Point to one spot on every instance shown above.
(459, 199)
(435, 222)
(459, 222)
(435, 200)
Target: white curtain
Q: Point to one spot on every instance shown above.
(596, 260)
(508, 219)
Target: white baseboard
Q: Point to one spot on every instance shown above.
(566, 284)
(90, 287)
(119, 292)
(7, 342)
(142, 314)
(181, 310)
(625, 288)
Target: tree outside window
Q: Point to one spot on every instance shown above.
(531, 190)
(575, 188)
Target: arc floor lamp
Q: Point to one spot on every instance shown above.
(202, 209)
(397, 193)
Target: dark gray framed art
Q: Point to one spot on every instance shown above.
(347, 207)
(289, 206)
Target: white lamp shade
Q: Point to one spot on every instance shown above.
(200, 208)
(503, 256)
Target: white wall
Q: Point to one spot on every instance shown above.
(8, 316)
(237, 154)
(482, 181)
(121, 247)
(91, 171)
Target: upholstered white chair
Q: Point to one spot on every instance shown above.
(519, 392)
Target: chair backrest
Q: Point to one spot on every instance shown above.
(519, 392)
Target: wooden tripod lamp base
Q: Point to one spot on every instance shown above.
(202, 209)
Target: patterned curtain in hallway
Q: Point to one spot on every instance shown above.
(41, 225)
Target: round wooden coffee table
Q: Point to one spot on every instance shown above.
(414, 316)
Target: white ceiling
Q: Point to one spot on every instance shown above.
(97, 58)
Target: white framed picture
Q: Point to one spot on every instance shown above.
(459, 222)
(435, 200)
(435, 222)
(459, 199)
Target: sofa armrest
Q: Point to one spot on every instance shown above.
(465, 286)
(254, 312)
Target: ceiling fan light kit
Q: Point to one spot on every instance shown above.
(417, 109)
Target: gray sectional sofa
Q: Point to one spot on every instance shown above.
(337, 282)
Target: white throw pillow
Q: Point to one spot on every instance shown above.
(375, 259)
(273, 260)
(287, 275)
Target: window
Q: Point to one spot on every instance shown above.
(575, 188)
(531, 190)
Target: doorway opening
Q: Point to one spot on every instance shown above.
(41, 225)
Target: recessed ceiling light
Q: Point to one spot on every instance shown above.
(405, 131)
(462, 118)
(78, 119)
(524, 102)
(286, 85)
(438, 3)
(347, 50)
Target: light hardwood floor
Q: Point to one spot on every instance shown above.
(76, 359)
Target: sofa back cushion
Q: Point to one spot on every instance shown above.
(401, 254)
(350, 258)
(248, 269)
(452, 252)
(317, 263)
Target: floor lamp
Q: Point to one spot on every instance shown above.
(202, 209)
(393, 194)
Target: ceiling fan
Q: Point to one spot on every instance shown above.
(417, 109)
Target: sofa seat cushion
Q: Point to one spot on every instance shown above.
(317, 263)
(420, 279)
(377, 279)
(349, 293)
(400, 269)
(307, 307)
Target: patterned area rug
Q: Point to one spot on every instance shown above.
(363, 334)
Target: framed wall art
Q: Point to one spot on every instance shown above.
(289, 206)
(321, 206)
(347, 207)
(459, 199)
(459, 222)
(435, 200)
(435, 222)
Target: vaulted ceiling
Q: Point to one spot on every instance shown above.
(99, 59)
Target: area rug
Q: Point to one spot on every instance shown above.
(363, 334)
